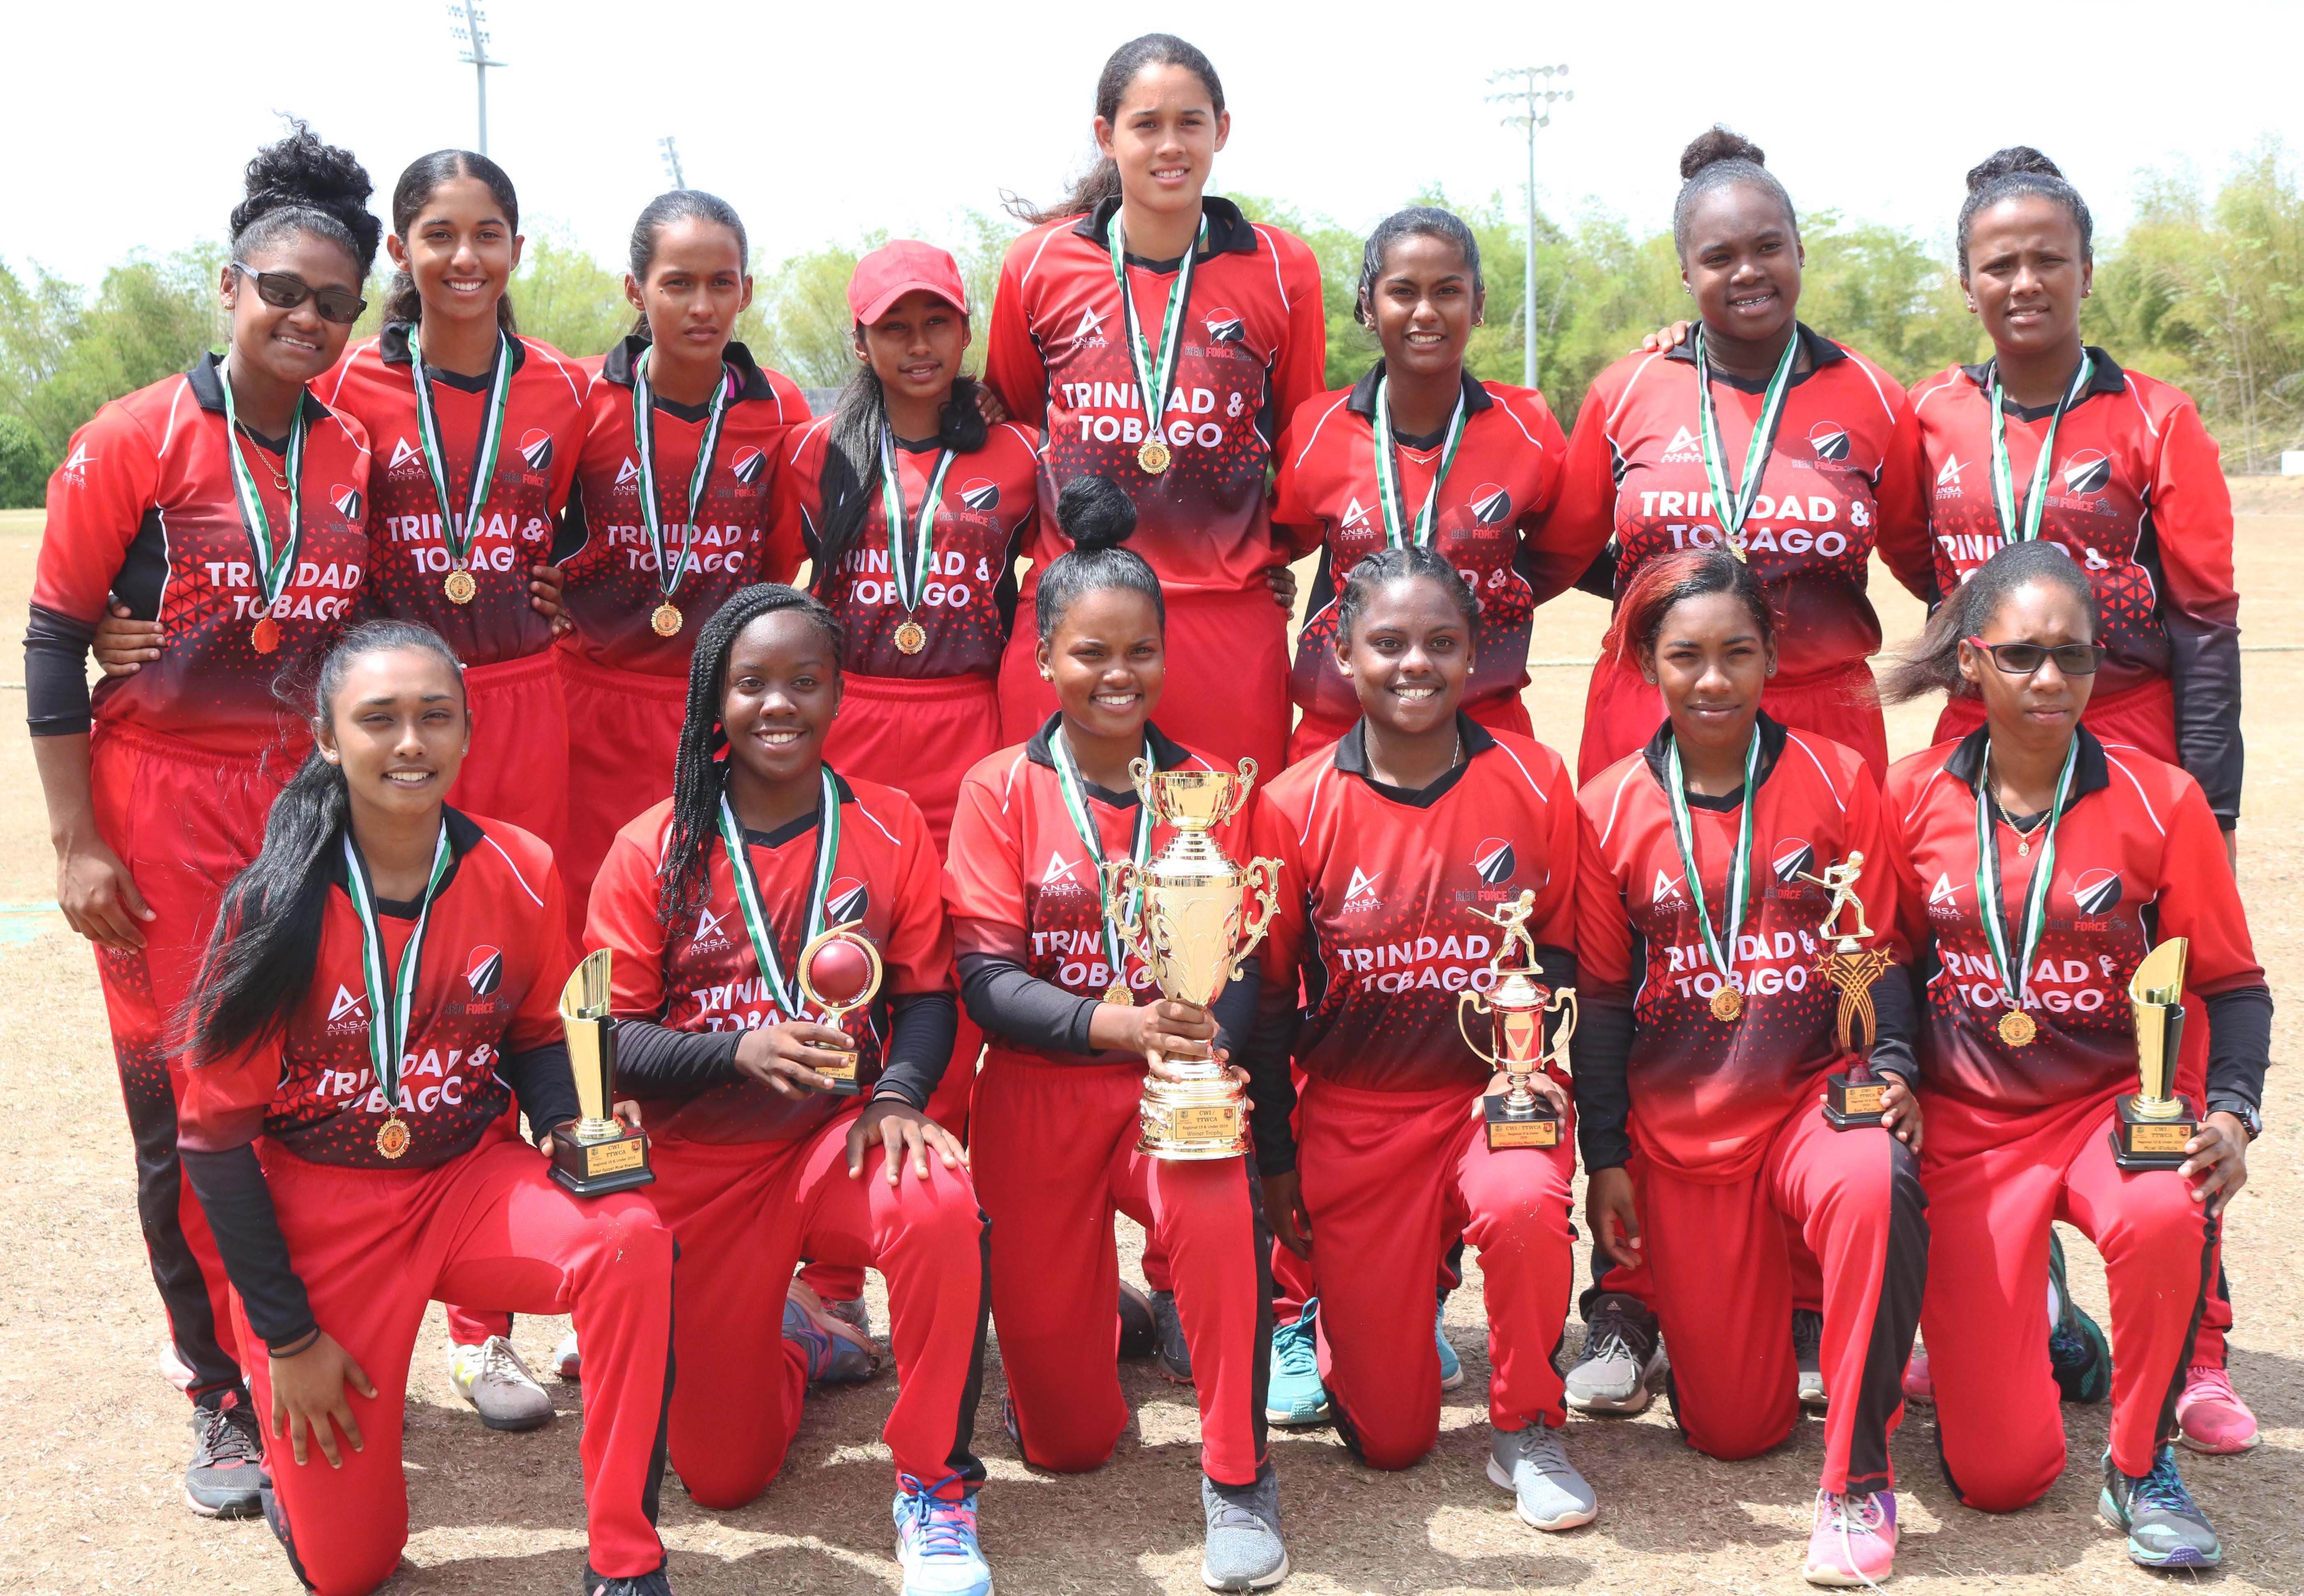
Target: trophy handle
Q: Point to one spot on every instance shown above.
(1563, 1003)
(1140, 777)
(1120, 877)
(1479, 1004)
(1264, 881)
(1239, 797)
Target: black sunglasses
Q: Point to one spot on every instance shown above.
(285, 290)
(2021, 659)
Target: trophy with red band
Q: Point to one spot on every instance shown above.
(1514, 1006)
(840, 972)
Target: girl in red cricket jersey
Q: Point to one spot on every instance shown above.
(1419, 453)
(1707, 1032)
(1760, 436)
(2028, 953)
(1158, 337)
(227, 504)
(381, 991)
(1398, 844)
(1070, 1012)
(708, 902)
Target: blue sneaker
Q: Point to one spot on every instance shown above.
(1296, 1395)
(836, 1353)
(1452, 1367)
(936, 1541)
(2165, 1529)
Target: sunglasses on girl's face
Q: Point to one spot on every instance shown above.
(285, 291)
(2021, 659)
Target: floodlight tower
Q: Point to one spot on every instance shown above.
(1535, 103)
(671, 148)
(468, 25)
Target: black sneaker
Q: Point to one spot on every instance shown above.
(1140, 1332)
(2077, 1353)
(1808, 1355)
(654, 1582)
(2165, 1528)
(224, 1480)
(1175, 1354)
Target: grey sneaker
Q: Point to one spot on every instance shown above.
(492, 1378)
(1808, 1352)
(1532, 1464)
(1623, 1359)
(227, 1460)
(1244, 1551)
(1174, 1357)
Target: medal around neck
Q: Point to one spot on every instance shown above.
(2155, 1123)
(1852, 1097)
(839, 972)
(600, 1153)
(1514, 1005)
(1186, 914)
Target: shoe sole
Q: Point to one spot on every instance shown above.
(2254, 1439)
(1160, 1366)
(1449, 1383)
(1568, 1521)
(2184, 1556)
(253, 1507)
(1834, 1579)
(515, 1426)
(1290, 1419)
(1264, 1582)
(1638, 1402)
(1816, 1401)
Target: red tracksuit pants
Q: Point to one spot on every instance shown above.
(1390, 1179)
(517, 770)
(1621, 712)
(1721, 1260)
(743, 1213)
(623, 730)
(1054, 1156)
(1995, 1181)
(374, 1245)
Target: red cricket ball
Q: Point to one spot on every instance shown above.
(840, 972)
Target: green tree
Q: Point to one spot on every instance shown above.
(568, 299)
(24, 466)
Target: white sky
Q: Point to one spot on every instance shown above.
(126, 126)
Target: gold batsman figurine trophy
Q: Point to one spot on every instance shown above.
(1853, 1099)
(1515, 1005)
(1182, 915)
(2155, 1123)
(600, 1153)
(840, 972)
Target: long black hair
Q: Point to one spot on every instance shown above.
(2012, 173)
(1098, 516)
(850, 480)
(261, 954)
(414, 191)
(1417, 220)
(1408, 562)
(700, 770)
(1930, 663)
(679, 205)
(1102, 180)
(1717, 158)
(302, 185)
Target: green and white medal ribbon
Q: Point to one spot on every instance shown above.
(1397, 531)
(460, 583)
(273, 568)
(2004, 477)
(908, 567)
(1732, 508)
(2016, 1027)
(1075, 796)
(1154, 374)
(783, 988)
(1727, 1002)
(391, 994)
(671, 572)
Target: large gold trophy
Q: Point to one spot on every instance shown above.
(1182, 913)
(1851, 1099)
(600, 1153)
(2154, 1124)
(1515, 1005)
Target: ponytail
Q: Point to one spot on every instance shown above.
(1930, 663)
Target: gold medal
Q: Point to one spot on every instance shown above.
(266, 635)
(911, 638)
(2017, 1029)
(1118, 992)
(667, 620)
(1727, 1005)
(1153, 457)
(461, 588)
(392, 1137)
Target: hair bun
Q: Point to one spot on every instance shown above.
(1095, 512)
(2015, 160)
(303, 171)
(1718, 144)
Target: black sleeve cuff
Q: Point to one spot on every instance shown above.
(1601, 1055)
(55, 674)
(921, 1029)
(1600, 575)
(654, 1060)
(2239, 1046)
(1016, 1006)
(1896, 1007)
(543, 1086)
(238, 1202)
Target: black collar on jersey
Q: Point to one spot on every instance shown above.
(465, 835)
(1167, 754)
(1351, 758)
(1362, 404)
(1229, 232)
(802, 827)
(1821, 353)
(207, 380)
(1658, 752)
(2092, 774)
(394, 343)
(751, 382)
(2105, 376)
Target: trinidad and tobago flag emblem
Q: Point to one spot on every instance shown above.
(1829, 439)
(2096, 893)
(1225, 326)
(484, 971)
(536, 449)
(1494, 860)
(747, 465)
(347, 500)
(1492, 506)
(848, 901)
(980, 496)
(1793, 858)
(2087, 472)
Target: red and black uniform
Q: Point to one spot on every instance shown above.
(186, 755)
(626, 686)
(1253, 351)
(1053, 1142)
(517, 767)
(1382, 891)
(1487, 523)
(2139, 498)
(319, 1229)
(1735, 1171)
(751, 1181)
(1842, 477)
(2020, 1137)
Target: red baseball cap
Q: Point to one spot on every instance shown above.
(894, 270)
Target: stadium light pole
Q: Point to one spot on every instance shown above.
(1535, 101)
(672, 160)
(468, 25)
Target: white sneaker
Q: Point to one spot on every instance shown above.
(492, 1378)
(1807, 1357)
(567, 1358)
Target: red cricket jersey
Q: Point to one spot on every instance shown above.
(143, 506)
(1020, 884)
(543, 427)
(613, 585)
(990, 500)
(704, 977)
(2138, 860)
(1487, 523)
(1377, 890)
(1708, 1097)
(495, 956)
(1843, 475)
(2137, 497)
(1254, 347)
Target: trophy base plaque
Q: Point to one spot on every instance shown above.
(1511, 1125)
(2142, 1139)
(842, 1077)
(1849, 1104)
(1189, 1122)
(593, 1165)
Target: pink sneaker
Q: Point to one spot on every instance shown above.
(1854, 1542)
(2210, 1415)
(1917, 1386)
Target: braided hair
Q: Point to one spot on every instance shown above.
(2010, 174)
(700, 770)
(1411, 563)
(1930, 663)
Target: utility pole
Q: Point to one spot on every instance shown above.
(1535, 103)
(672, 160)
(468, 25)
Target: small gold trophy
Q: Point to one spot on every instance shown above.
(840, 973)
(1851, 1099)
(2155, 1123)
(1185, 924)
(1515, 1004)
(600, 1153)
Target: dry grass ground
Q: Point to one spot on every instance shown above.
(97, 1441)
